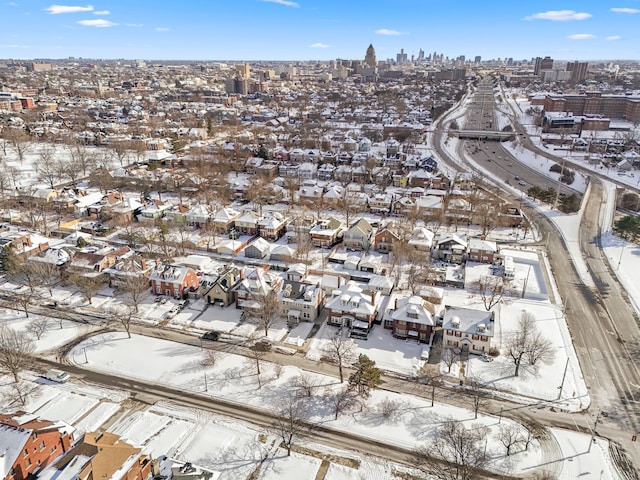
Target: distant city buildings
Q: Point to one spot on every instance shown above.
(370, 57)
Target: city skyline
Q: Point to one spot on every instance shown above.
(318, 29)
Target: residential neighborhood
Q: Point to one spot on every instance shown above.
(320, 243)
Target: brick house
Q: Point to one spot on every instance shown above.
(482, 250)
(173, 280)
(102, 456)
(467, 329)
(384, 240)
(29, 443)
(410, 318)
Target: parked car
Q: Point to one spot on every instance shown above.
(183, 303)
(213, 336)
(56, 375)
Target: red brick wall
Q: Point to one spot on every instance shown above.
(37, 455)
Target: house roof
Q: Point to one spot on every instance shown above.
(484, 245)
(467, 320)
(11, 442)
(412, 309)
(104, 454)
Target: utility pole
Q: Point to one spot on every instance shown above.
(593, 432)
(563, 377)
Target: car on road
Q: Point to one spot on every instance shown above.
(521, 182)
(213, 336)
(56, 375)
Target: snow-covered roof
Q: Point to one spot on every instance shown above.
(12, 441)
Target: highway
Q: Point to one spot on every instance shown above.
(491, 155)
(603, 325)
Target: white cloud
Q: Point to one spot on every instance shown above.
(58, 9)
(613, 38)
(162, 29)
(286, 3)
(625, 10)
(386, 31)
(319, 45)
(98, 23)
(581, 36)
(12, 4)
(102, 12)
(559, 15)
(14, 45)
(133, 25)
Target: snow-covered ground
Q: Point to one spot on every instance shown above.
(233, 379)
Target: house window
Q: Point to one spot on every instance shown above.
(401, 331)
(28, 462)
(53, 449)
(12, 472)
(42, 445)
(25, 453)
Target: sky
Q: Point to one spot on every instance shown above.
(319, 29)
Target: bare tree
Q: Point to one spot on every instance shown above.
(120, 150)
(491, 289)
(15, 351)
(24, 272)
(87, 286)
(340, 400)
(24, 300)
(510, 436)
(256, 354)
(476, 390)
(19, 393)
(83, 160)
(340, 351)
(269, 311)
(122, 317)
(135, 287)
(449, 357)
(305, 384)
(48, 274)
(388, 408)
(454, 453)
(291, 422)
(47, 167)
(527, 345)
(38, 326)
(19, 141)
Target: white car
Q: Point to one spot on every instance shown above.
(56, 375)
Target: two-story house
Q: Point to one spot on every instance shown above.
(351, 307)
(384, 239)
(248, 223)
(299, 300)
(483, 251)
(272, 226)
(29, 443)
(358, 236)
(173, 280)
(224, 219)
(450, 248)
(467, 329)
(327, 233)
(218, 289)
(255, 284)
(410, 318)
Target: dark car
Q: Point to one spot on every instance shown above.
(213, 336)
